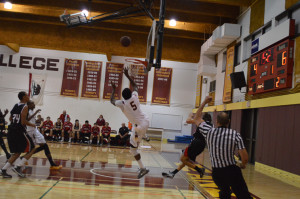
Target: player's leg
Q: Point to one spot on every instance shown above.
(2, 144)
(70, 135)
(91, 138)
(134, 142)
(108, 140)
(98, 139)
(9, 164)
(62, 135)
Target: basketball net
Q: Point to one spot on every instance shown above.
(135, 65)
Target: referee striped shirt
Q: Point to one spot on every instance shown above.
(221, 142)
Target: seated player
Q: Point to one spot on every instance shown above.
(105, 134)
(76, 131)
(123, 136)
(95, 133)
(47, 127)
(2, 132)
(86, 130)
(57, 129)
(64, 116)
(39, 123)
(195, 148)
(67, 130)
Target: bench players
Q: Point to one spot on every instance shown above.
(130, 106)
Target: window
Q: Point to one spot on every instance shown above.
(224, 61)
(237, 54)
(212, 86)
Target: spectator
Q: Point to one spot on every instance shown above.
(2, 132)
(67, 130)
(95, 133)
(86, 130)
(76, 131)
(39, 123)
(100, 121)
(47, 127)
(123, 136)
(64, 116)
(221, 142)
(105, 134)
(57, 129)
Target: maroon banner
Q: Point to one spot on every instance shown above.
(141, 79)
(114, 73)
(71, 78)
(162, 86)
(91, 79)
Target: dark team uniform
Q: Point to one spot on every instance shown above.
(18, 140)
(2, 123)
(197, 145)
(57, 128)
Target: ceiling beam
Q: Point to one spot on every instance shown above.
(244, 3)
(125, 28)
(138, 21)
(178, 6)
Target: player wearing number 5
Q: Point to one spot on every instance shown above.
(130, 106)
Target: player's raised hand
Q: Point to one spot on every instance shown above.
(126, 69)
(6, 111)
(39, 110)
(208, 99)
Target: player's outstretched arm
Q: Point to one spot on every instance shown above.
(112, 97)
(134, 86)
(197, 118)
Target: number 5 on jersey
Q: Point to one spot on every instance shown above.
(133, 105)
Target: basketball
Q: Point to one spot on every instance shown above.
(125, 41)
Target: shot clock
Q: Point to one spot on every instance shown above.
(272, 69)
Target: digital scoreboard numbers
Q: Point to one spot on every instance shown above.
(272, 69)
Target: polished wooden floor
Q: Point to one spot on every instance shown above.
(111, 172)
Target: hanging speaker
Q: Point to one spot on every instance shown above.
(238, 80)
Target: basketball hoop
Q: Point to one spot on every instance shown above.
(135, 65)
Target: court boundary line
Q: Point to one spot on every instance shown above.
(50, 188)
(85, 155)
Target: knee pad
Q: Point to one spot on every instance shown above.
(133, 151)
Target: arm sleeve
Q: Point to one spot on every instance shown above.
(119, 103)
(239, 141)
(204, 128)
(135, 94)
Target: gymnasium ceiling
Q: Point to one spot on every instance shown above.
(196, 19)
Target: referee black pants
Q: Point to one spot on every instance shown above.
(230, 177)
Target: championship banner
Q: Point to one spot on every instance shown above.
(198, 91)
(227, 92)
(141, 79)
(113, 73)
(162, 86)
(36, 88)
(71, 78)
(91, 79)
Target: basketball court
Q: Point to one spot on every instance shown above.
(93, 172)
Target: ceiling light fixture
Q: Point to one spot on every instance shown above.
(172, 22)
(85, 12)
(8, 5)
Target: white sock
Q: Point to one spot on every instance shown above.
(140, 164)
(21, 162)
(6, 166)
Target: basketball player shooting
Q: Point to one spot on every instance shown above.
(130, 106)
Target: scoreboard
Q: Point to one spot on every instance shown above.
(272, 69)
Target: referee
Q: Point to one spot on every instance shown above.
(222, 142)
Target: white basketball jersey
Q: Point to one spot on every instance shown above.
(131, 109)
(32, 121)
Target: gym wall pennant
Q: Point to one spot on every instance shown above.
(36, 88)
